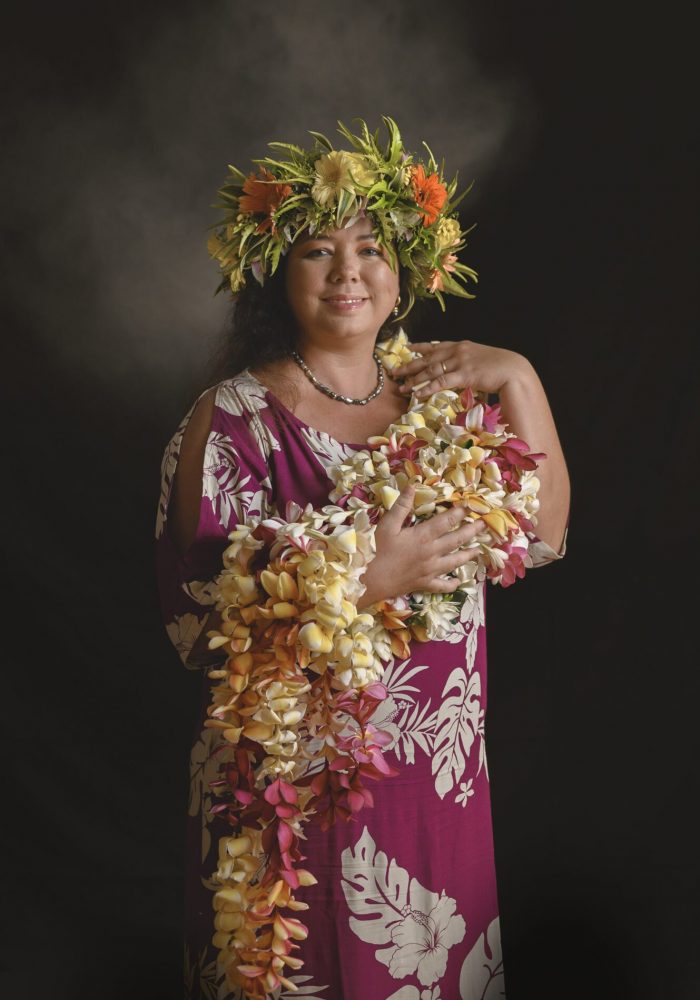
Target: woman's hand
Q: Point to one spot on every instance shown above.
(524, 407)
(416, 557)
(450, 365)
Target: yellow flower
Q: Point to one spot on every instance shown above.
(313, 638)
(448, 233)
(362, 172)
(333, 175)
(500, 521)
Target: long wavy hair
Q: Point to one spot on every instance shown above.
(261, 327)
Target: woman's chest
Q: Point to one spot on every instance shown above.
(348, 422)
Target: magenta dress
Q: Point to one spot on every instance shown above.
(406, 906)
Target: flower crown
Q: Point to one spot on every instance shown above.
(411, 205)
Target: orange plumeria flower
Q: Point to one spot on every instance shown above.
(429, 193)
(262, 196)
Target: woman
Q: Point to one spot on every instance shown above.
(405, 900)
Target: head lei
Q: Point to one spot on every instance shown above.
(411, 206)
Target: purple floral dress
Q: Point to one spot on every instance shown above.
(406, 906)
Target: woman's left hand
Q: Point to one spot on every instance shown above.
(524, 408)
(454, 365)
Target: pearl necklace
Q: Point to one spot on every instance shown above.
(337, 395)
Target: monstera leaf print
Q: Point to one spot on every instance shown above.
(481, 977)
(376, 890)
(456, 729)
(417, 926)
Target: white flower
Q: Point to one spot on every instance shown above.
(423, 941)
(465, 792)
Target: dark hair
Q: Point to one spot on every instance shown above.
(261, 327)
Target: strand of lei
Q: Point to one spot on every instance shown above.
(294, 701)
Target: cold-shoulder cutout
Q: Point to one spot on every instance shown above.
(186, 496)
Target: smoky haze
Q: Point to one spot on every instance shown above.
(116, 185)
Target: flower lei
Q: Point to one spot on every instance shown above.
(411, 204)
(302, 679)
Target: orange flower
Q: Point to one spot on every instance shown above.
(436, 282)
(262, 196)
(429, 193)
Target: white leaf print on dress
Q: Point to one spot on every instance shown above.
(183, 632)
(327, 450)
(222, 483)
(457, 726)
(305, 988)
(419, 926)
(244, 396)
(242, 392)
(400, 715)
(204, 768)
(472, 618)
(167, 473)
(413, 993)
(481, 977)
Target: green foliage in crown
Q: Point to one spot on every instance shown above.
(295, 191)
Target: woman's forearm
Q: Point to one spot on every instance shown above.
(525, 407)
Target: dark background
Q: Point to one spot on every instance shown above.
(575, 120)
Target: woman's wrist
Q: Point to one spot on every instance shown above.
(520, 375)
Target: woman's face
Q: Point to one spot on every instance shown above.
(340, 284)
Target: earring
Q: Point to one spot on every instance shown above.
(396, 307)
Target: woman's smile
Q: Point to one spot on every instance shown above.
(344, 303)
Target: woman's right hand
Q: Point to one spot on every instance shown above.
(417, 557)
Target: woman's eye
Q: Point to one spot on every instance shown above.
(316, 251)
(373, 251)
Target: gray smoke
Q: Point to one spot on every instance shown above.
(116, 276)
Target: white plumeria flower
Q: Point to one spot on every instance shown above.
(465, 792)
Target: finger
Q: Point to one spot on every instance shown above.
(445, 380)
(425, 346)
(458, 537)
(410, 368)
(448, 564)
(401, 508)
(447, 520)
(440, 585)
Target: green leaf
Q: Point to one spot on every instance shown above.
(454, 204)
(297, 150)
(432, 165)
(321, 138)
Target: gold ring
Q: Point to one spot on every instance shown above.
(444, 369)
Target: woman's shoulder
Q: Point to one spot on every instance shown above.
(241, 395)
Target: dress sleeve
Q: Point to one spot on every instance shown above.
(235, 485)
(540, 553)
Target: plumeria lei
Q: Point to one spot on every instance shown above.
(302, 679)
(411, 205)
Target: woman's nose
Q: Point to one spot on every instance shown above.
(344, 267)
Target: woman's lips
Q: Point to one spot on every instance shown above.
(345, 303)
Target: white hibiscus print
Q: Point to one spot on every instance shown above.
(423, 941)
